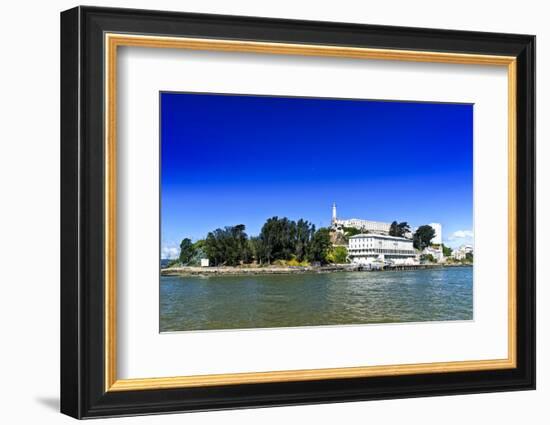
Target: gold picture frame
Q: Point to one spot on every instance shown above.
(114, 41)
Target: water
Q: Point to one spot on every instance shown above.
(265, 301)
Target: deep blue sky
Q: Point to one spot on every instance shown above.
(229, 159)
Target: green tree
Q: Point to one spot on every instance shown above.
(214, 247)
(428, 257)
(228, 246)
(187, 251)
(447, 251)
(199, 253)
(350, 231)
(403, 228)
(199, 244)
(320, 246)
(242, 247)
(257, 249)
(423, 237)
(469, 257)
(278, 237)
(399, 229)
(304, 234)
(338, 255)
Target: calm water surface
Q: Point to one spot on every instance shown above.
(238, 302)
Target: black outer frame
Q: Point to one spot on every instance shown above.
(82, 217)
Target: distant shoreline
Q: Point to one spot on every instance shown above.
(275, 270)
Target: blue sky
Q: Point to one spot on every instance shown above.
(230, 159)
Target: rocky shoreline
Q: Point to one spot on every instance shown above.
(272, 270)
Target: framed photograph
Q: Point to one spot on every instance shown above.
(261, 212)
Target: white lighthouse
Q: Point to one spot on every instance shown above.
(333, 212)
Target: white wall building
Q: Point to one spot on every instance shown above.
(437, 253)
(460, 253)
(363, 225)
(438, 233)
(379, 227)
(372, 248)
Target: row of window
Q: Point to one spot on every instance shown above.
(381, 251)
(367, 225)
(366, 245)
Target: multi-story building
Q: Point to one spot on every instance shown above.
(372, 248)
(363, 225)
(378, 227)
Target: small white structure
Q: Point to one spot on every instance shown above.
(369, 248)
(437, 240)
(205, 262)
(437, 253)
(460, 253)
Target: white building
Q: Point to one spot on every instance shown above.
(363, 225)
(437, 240)
(460, 253)
(375, 248)
(379, 227)
(436, 253)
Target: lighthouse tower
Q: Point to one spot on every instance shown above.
(333, 213)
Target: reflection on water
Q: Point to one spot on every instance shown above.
(265, 301)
